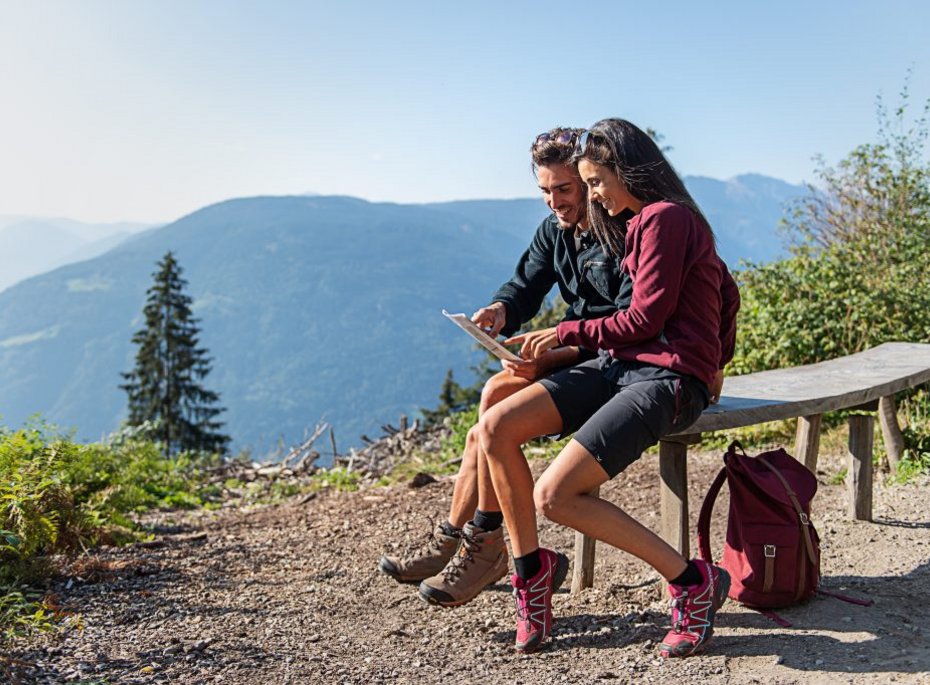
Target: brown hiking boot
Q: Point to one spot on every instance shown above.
(424, 562)
(480, 561)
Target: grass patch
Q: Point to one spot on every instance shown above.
(61, 497)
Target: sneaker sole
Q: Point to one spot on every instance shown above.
(431, 595)
(699, 649)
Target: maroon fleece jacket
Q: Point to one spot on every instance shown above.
(677, 319)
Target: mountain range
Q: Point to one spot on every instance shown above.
(31, 246)
(313, 307)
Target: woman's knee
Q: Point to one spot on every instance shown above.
(549, 498)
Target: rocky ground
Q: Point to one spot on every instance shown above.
(291, 594)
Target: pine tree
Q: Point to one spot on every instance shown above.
(165, 388)
(452, 398)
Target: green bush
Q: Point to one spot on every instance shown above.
(57, 495)
(859, 270)
(859, 273)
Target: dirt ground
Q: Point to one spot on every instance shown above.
(291, 594)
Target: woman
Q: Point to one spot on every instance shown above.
(659, 361)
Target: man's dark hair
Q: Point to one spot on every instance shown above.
(554, 147)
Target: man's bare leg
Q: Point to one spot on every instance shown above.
(431, 558)
(503, 430)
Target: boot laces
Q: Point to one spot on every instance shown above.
(679, 612)
(462, 558)
(432, 543)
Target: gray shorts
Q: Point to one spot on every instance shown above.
(619, 408)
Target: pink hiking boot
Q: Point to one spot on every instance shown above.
(693, 610)
(534, 600)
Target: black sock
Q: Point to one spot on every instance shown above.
(488, 520)
(690, 576)
(528, 565)
(450, 530)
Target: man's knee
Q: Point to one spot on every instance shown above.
(470, 453)
(490, 430)
(498, 387)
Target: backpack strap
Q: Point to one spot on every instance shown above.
(802, 515)
(847, 598)
(707, 508)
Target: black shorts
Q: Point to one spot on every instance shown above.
(619, 408)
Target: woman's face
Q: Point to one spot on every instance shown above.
(605, 187)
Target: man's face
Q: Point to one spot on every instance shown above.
(563, 192)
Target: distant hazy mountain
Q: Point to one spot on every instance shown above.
(31, 246)
(311, 307)
(745, 213)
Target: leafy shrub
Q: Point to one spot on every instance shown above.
(58, 497)
(859, 270)
(916, 458)
(859, 273)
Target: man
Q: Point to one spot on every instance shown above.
(562, 253)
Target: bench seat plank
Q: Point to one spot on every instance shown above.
(817, 388)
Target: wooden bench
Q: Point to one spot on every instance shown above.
(867, 381)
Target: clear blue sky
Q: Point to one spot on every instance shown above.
(146, 110)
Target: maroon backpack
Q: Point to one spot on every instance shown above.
(772, 550)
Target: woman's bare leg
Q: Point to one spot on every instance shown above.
(562, 495)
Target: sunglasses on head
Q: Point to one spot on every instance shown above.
(582, 145)
(563, 137)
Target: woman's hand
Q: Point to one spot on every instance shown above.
(717, 387)
(531, 369)
(535, 343)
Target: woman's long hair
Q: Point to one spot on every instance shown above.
(639, 163)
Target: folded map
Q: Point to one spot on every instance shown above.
(483, 338)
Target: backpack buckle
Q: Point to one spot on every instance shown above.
(769, 551)
(805, 519)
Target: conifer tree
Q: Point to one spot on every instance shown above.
(452, 398)
(165, 388)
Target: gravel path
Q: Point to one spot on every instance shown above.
(291, 594)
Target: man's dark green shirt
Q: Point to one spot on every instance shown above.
(589, 280)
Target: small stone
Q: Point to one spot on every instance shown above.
(421, 479)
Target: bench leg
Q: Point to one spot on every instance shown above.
(583, 570)
(673, 474)
(859, 474)
(891, 432)
(807, 441)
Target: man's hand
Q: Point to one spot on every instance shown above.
(491, 318)
(535, 343)
(716, 387)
